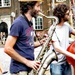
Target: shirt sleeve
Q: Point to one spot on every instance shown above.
(15, 29)
(70, 28)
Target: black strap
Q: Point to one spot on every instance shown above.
(29, 22)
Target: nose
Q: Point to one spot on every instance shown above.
(39, 9)
(70, 15)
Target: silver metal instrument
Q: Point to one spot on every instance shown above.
(44, 57)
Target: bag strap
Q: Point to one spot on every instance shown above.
(57, 37)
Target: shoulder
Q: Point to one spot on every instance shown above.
(66, 24)
(19, 22)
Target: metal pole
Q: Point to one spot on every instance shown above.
(53, 4)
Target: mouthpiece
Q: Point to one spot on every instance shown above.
(49, 17)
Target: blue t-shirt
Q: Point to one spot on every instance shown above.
(24, 44)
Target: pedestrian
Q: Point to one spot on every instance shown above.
(60, 41)
(20, 42)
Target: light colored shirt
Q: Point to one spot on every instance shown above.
(61, 35)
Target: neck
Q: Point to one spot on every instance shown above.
(29, 17)
(61, 23)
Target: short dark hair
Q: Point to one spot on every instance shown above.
(60, 10)
(24, 6)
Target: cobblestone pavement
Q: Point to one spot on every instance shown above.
(4, 60)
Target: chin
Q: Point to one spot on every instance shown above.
(34, 16)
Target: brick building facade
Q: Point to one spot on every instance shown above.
(10, 9)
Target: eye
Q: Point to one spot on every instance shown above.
(67, 13)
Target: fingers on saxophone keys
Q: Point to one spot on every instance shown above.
(36, 66)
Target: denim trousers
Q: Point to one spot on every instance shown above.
(60, 69)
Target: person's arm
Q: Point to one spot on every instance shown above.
(63, 51)
(10, 42)
(39, 42)
(73, 32)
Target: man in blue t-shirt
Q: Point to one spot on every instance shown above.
(20, 42)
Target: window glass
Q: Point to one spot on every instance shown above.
(5, 3)
(38, 23)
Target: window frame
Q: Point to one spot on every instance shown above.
(3, 4)
(37, 24)
(60, 0)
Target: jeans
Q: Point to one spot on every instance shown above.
(60, 69)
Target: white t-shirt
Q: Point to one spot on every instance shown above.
(61, 35)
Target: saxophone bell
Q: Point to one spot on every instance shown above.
(51, 56)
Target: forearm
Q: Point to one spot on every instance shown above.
(13, 54)
(65, 52)
(37, 43)
(40, 42)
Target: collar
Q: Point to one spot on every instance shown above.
(29, 22)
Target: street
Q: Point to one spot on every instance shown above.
(4, 61)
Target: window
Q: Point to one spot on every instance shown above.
(5, 3)
(60, 0)
(38, 23)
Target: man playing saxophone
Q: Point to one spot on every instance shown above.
(20, 42)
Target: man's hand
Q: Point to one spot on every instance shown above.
(33, 64)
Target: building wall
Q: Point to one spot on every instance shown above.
(7, 20)
(15, 8)
(5, 13)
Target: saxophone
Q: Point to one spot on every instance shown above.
(45, 56)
